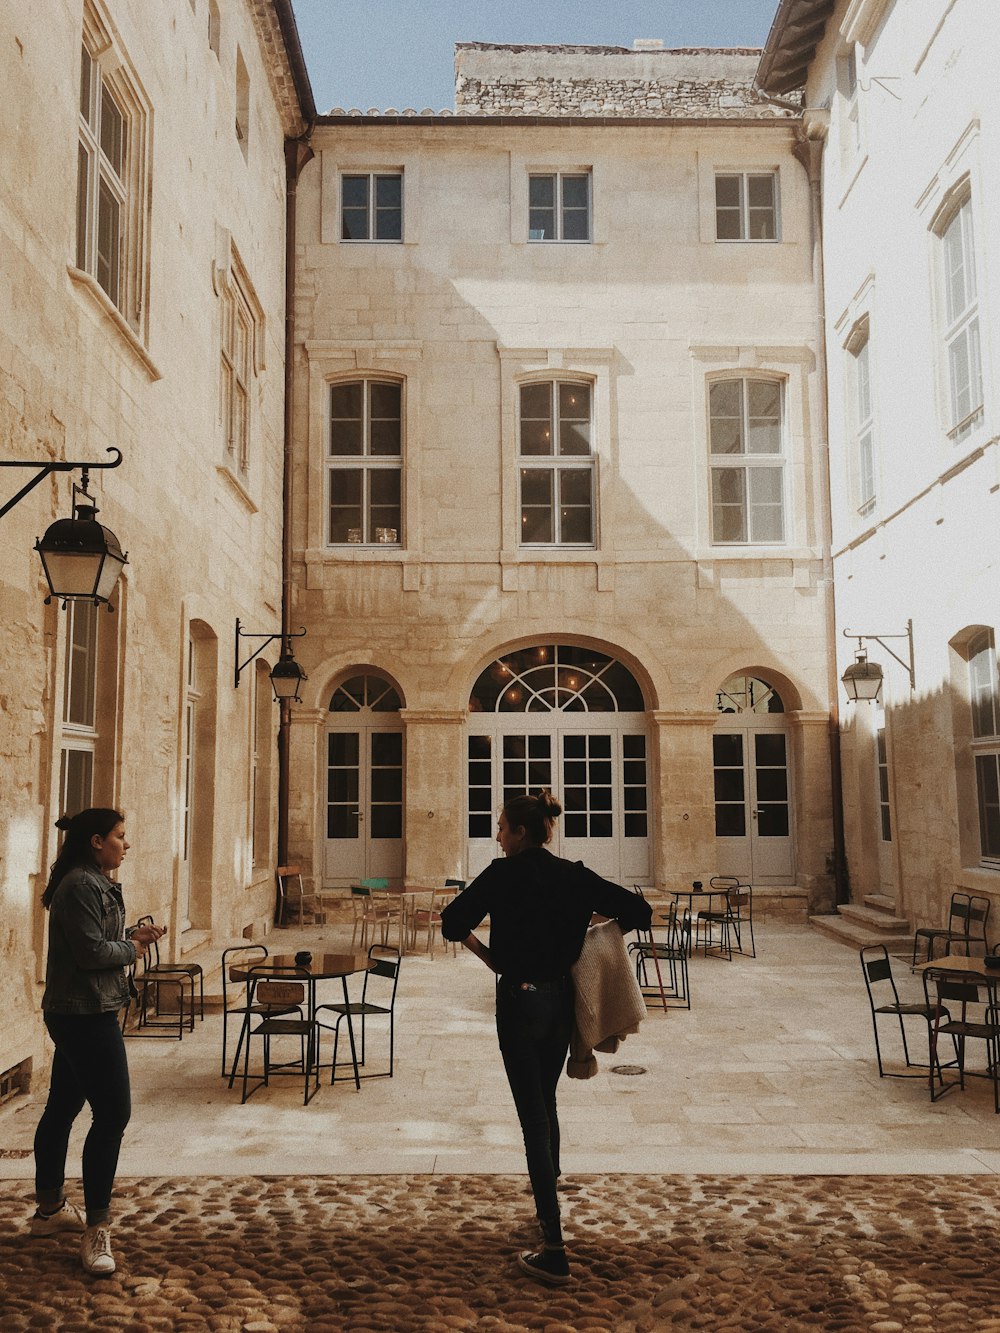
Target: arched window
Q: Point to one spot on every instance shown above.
(556, 678)
(365, 692)
(748, 694)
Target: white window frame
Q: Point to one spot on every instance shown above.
(849, 100)
(80, 732)
(984, 709)
(748, 462)
(558, 464)
(959, 322)
(560, 208)
(120, 278)
(241, 342)
(744, 209)
(365, 462)
(861, 418)
(372, 176)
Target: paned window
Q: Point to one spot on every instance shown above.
(79, 732)
(746, 206)
(863, 424)
(365, 463)
(102, 183)
(885, 816)
(961, 323)
(559, 206)
(984, 692)
(371, 206)
(237, 367)
(747, 467)
(556, 464)
(242, 103)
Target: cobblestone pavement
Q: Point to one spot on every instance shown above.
(431, 1252)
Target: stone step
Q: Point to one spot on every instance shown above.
(856, 935)
(874, 918)
(880, 902)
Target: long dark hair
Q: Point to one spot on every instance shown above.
(76, 849)
(535, 814)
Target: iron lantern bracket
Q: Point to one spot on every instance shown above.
(241, 633)
(906, 663)
(44, 469)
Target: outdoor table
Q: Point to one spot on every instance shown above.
(322, 967)
(720, 891)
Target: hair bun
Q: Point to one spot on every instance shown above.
(64, 822)
(550, 808)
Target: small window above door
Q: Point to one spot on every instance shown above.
(365, 693)
(748, 694)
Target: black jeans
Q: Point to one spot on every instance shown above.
(534, 1027)
(89, 1066)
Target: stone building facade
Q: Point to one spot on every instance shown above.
(902, 113)
(142, 215)
(559, 500)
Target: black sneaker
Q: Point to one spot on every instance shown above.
(549, 1266)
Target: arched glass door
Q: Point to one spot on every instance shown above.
(364, 782)
(753, 815)
(570, 719)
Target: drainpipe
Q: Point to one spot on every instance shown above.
(809, 151)
(297, 154)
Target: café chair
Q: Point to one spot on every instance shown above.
(234, 994)
(967, 918)
(378, 1000)
(278, 1000)
(160, 1000)
(666, 959)
(883, 1000)
(425, 914)
(193, 970)
(734, 921)
(977, 1019)
(292, 898)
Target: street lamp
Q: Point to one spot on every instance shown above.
(81, 558)
(863, 679)
(286, 674)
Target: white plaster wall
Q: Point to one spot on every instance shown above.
(930, 551)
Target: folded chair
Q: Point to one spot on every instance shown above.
(277, 1000)
(977, 1018)
(967, 917)
(883, 999)
(378, 1000)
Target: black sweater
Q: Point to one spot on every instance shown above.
(539, 908)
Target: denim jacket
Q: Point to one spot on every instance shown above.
(84, 972)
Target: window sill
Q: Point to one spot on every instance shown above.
(746, 240)
(238, 485)
(85, 282)
(356, 552)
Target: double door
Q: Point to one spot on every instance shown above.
(753, 816)
(364, 804)
(600, 777)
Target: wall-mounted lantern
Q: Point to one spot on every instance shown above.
(286, 674)
(863, 679)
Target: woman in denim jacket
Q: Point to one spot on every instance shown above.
(85, 987)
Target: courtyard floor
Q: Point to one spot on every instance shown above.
(757, 1175)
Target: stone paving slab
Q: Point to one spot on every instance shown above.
(282, 1254)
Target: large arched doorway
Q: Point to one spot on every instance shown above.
(753, 814)
(364, 781)
(570, 719)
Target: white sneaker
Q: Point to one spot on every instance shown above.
(95, 1250)
(67, 1218)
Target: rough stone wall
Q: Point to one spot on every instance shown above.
(608, 81)
(202, 545)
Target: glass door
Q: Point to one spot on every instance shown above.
(364, 804)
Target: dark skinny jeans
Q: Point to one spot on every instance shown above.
(89, 1066)
(534, 1027)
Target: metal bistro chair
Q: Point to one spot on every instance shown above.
(883, 999)
(967, 917)
(378, 1000)
(425, 914)
(978, 1019)
(193, 970)
(234, 996)
(292, 896)
(149, 982)
(277, 999)
(669, 959)
(733, 921)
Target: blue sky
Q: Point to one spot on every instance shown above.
(400, 53)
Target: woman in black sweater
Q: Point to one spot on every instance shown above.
(539, 908)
